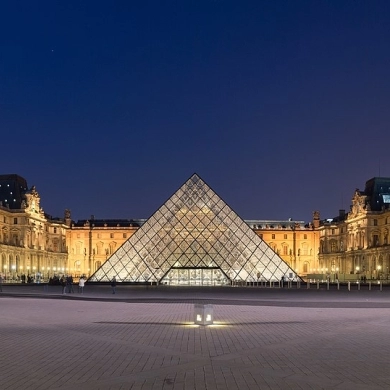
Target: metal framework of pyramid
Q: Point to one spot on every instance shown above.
(194, 238)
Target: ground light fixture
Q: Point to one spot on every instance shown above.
(203, 314)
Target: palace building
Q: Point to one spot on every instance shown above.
(31, 242)
(355, 245)
(194, 238)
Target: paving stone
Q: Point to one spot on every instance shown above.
(145, 339)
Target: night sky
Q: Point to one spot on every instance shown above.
(282, 107)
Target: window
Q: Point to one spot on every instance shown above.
(15, 221)
(55, 230)
(78, 235)
(77, 265)
(332, 231)
(99, 235)
(285, 249)
(285, 236)
(375, 240)
(124, 235)
(273, 236)
(375, 222)
(111, 235)
(305, 238)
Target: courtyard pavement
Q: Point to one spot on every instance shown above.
(145, 338)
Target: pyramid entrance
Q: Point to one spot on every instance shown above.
(182, 276)
(194, 238)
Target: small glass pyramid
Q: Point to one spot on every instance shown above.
(194, 238)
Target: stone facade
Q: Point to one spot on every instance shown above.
(355, 246)
(31, 242)
(351, 246)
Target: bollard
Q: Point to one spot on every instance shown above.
(318, 284)
(349, 286)
(327, 285)
(308, 284)
(380, 286)
(358, 286)
(338, 285)
(369, 286)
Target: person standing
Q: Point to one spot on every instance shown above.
(71, 284)
(63, 284)
(113, 285)
(81, 285)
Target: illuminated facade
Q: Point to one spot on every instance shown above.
(31, 242)
(355, 245)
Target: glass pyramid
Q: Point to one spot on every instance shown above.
(194, 238)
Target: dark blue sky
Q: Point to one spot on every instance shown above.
(282, 107)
